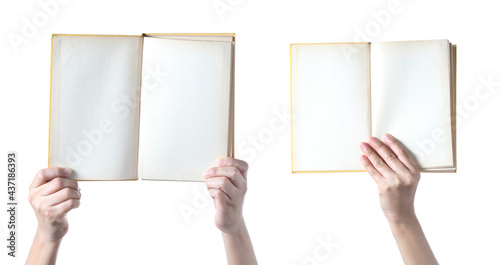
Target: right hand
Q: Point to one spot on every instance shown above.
(52, 195)
(396, 175)
(227, 185)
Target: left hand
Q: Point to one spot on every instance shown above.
(52, 195)
(227, 185)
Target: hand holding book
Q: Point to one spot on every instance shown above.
(52, 195)
(227, 185)
(397, 175)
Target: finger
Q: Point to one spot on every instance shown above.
(64, 207)
(220, 198)
(241, 165)
(48, 174)
(376, 161)
(401, 152)
(61, 196)
(232, 173)
(56, 185)
(213, 192)
(223, 184)
(371, 169)
(390, 158)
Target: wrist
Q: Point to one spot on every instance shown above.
(46, 239)
(239, 249)
(237, 230)
(43, 250)
(404, 225)
(408, 217)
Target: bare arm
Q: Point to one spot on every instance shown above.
(52, 196)
(227, 185)
(397, 177)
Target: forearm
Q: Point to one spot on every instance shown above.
(43, 251)
(239, 249)
(412, 243)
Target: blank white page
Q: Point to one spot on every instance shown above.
(330, 105)
(411, 98)
(185, 107)
(94, 105)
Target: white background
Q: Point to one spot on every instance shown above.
(140, 222)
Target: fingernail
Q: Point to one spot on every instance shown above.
(207, 172)
(372, 140)
(67, 171)
(363, 146)
(222, 162)
(387, 137)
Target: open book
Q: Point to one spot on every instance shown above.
(153, 106)
(341, 93)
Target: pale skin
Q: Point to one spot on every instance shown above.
(227, 185)
(52, 195)
(397, 177)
